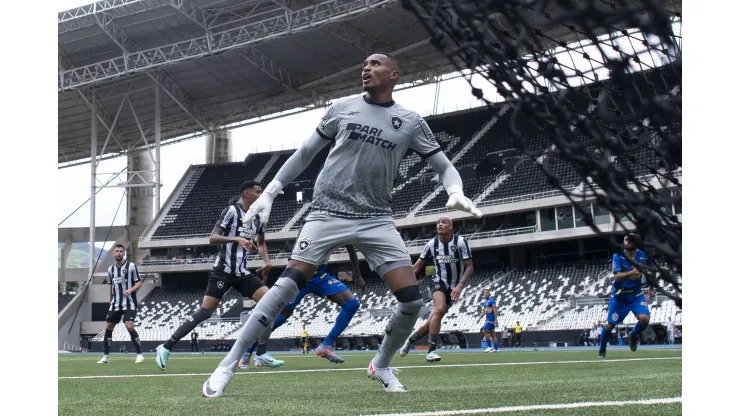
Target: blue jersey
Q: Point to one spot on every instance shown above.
(488, 305)
(621, 264)
(320, 271)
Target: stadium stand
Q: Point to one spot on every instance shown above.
(199, 204)
(64, 299)
(162, 311)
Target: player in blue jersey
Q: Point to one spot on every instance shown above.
(322, 285)
(627, 295)
(489, 327)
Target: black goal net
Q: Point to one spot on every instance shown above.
(595, 90)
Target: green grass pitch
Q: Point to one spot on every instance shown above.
(309, 385)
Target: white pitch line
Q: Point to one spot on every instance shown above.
(538, 407)
(325, 370)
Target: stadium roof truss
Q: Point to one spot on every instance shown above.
(220, 64)
(217, 64)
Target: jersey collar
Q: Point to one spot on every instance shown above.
(390, 103)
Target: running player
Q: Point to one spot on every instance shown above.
(322, 285)
(352, 205)
(237, 237)
(627, 295)
(450, 252)
(124, 282)
(489, 327)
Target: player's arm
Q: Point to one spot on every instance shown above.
(495, 314)
(262, 249)
(110, 283)
(423, 143)
(419, 265)
(296, 164)
(228, 216)
(359, 281)
(135, 277)
(467, 274)
(620, 275)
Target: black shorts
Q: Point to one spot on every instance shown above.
(303, 340)
(219, 283)
(440, 287)
(115, 316)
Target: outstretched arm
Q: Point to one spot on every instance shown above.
(294, 166)
(298, 161)
(452, 182)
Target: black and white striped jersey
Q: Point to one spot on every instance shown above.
(232, 258)
(122, 279)
(448, 259)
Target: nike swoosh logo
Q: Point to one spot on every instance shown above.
(408, 314)
(208, 389)
(384, 383)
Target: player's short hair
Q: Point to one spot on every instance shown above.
(119, 245)
(248, 185)
(452, 224)
(391, 58)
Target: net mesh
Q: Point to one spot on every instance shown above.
(595, 87)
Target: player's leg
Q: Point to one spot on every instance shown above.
(487, 336)
(252, 287)
(415, 336)
(386, 254)
(618, 310)
(128, 321)
(349, 305)
(110, 322)
(641, 311)
(216, 289)
(440, 302)
(285, 289)
(493, 339)
(279, 321)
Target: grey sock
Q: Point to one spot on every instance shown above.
(268, 308)
(397, 331)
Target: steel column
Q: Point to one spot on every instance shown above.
(157, 138)
(93, 169)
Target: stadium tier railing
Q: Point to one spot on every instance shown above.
(342, 250)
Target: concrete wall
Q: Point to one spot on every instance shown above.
(219, 147)
(140, 211)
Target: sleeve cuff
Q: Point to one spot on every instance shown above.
(432, 153)
(323, 136)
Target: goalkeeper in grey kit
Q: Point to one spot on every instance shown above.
(352, 205)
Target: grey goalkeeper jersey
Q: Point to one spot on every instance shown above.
(370, 141)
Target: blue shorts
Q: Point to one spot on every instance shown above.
(620, 306)
(321, 286)
(489, 326)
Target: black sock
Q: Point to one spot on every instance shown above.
(135, 340)
(433, 341)
(190, 323)
(261, 348)
(107, 341)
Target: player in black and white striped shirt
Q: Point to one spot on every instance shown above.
(236, 241)
(451, 255)
(124, 281)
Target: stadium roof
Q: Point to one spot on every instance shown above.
(220, 63)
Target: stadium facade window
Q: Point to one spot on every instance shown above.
(580, 222)
(601, 215)
(547, 219)
(565, 217)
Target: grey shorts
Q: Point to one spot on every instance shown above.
(377, 239)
